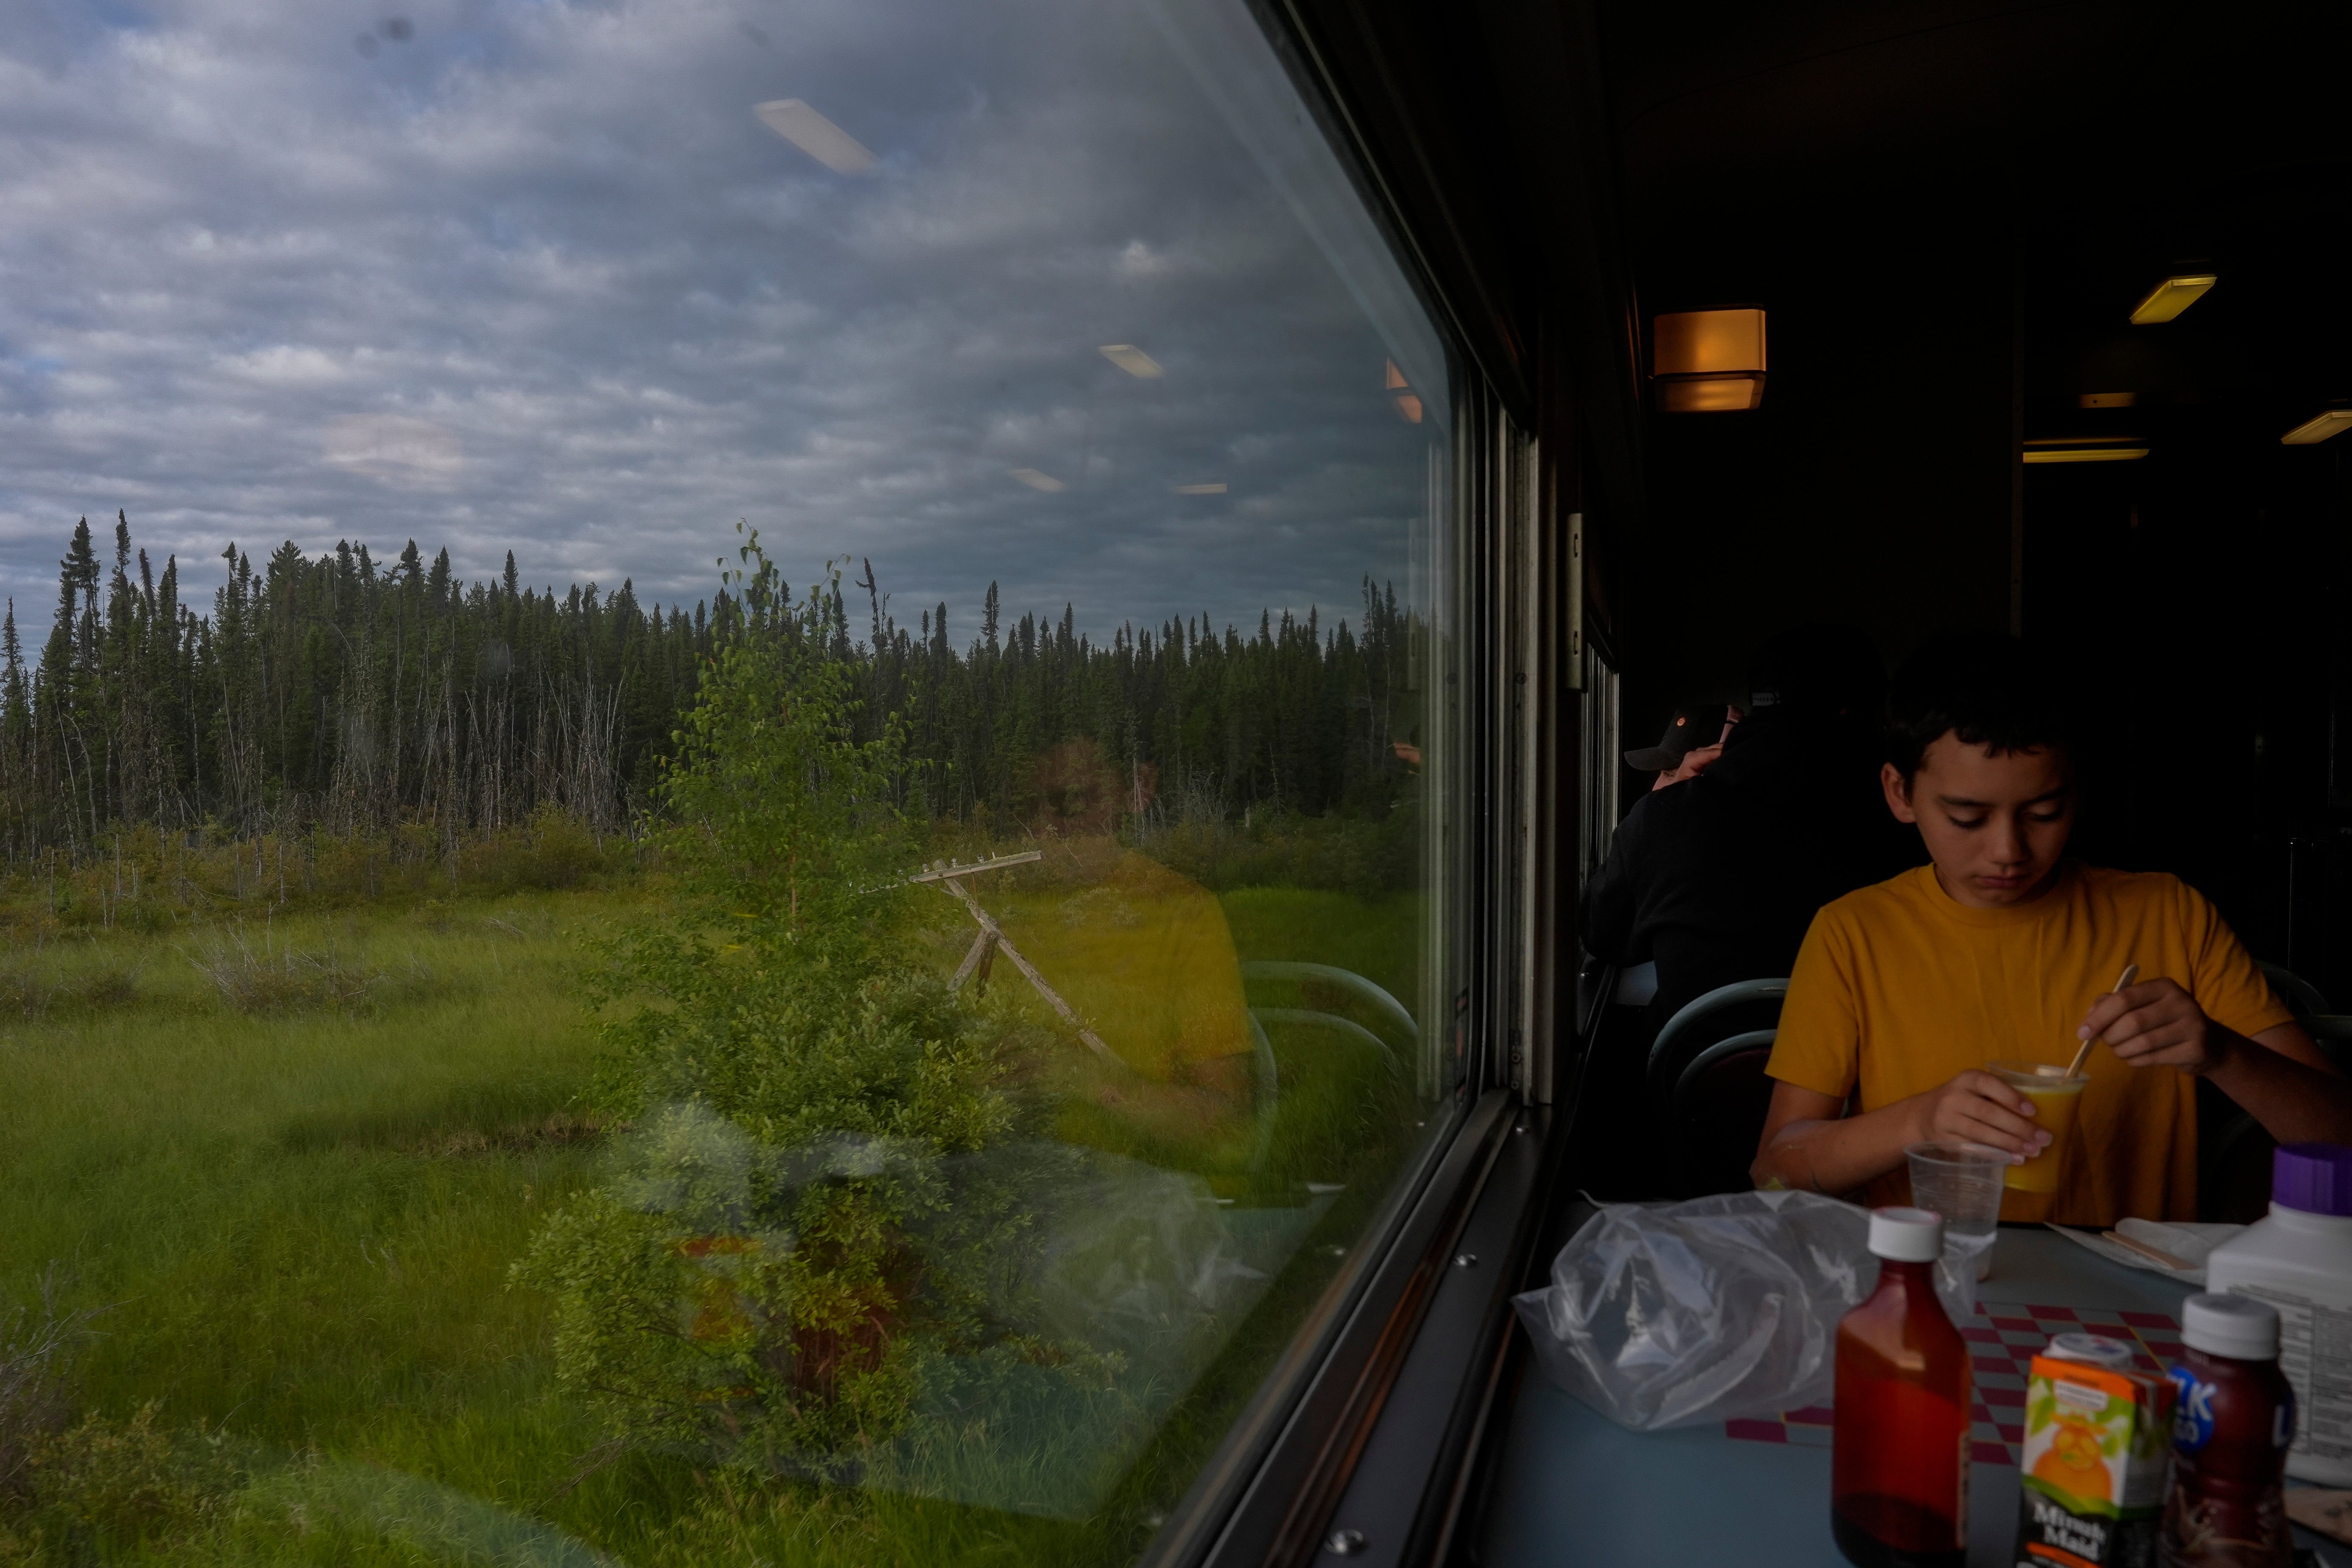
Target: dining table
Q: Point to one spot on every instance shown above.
(1572, 1487)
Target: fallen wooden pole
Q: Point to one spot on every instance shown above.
(995, 937)
(946, 869)
(983, 948)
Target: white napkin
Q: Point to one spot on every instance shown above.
(2187, 1240)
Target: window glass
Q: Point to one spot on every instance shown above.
(722, 837)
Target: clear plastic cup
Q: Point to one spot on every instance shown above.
(1962, 1182)
(2055, 1097)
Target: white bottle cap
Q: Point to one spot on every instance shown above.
(2239, 1327)
(1906, 1235)
(2091, 1349)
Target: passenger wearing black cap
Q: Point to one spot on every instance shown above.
(1693, 739)
(1715, 879)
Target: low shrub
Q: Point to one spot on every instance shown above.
(27, 992)
(284, 979)
(37, 1346)
(103, 1488)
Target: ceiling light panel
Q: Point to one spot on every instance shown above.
(2312, 432)
(2111, 453)
(2171, 297)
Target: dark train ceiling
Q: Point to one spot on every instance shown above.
(2075, 152)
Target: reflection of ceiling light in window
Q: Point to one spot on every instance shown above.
(815, 135)
(1036, 481)
(1217, 489)
(1708, 362)
(395, 446)
(1408, 408)
(2171, 297)
(2106, 399)
(1394, 379)
(2079, 449)
(1133, 361)
(2319, 429)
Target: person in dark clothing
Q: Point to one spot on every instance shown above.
(1716, 878)
(1693, 739)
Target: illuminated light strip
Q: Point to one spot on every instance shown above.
(2083, 453)
(2311, 431)
(2171, 297)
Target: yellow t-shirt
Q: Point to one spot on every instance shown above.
(1897, 988)
(1145, 956)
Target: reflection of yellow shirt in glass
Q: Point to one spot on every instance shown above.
(1146, 958)
(1898, 988)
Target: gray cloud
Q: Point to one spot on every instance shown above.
(535, 277)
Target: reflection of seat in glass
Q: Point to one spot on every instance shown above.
(1325, 986)
(1391, 1012)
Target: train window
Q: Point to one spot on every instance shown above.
(726, 843)
(1598, 788)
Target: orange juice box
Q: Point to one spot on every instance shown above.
(2098, 1439)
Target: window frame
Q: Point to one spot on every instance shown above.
(1388, 1384)
(1377, 1421)
(1298, 1446)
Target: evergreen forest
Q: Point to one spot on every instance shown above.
(345, 695)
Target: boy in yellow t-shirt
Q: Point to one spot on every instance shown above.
(2003, 948)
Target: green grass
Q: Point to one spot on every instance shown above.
(294, 1160)
(1373, 936)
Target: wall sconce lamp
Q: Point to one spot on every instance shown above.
(1708, 362)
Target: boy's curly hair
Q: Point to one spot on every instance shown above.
(1984, 688)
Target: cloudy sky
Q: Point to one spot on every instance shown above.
(534, 275)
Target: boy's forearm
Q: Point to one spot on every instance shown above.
(2294, 1103)
(1837, 1157)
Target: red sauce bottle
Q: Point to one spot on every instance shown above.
(1899, 1454)
(2232, 1423)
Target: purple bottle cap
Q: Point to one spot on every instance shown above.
(2313, 1177)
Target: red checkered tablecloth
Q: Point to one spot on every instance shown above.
(2002, 1341)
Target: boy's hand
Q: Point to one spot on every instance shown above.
(2156, 1024)
(1979, 1108)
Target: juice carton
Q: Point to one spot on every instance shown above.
(2097, 1441)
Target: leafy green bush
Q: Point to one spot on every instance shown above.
(794, 1242)
(123, 1481)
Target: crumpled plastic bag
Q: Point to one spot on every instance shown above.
(1678, 1314)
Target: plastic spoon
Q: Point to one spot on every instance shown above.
(2156, 1253)
(2131, 972)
